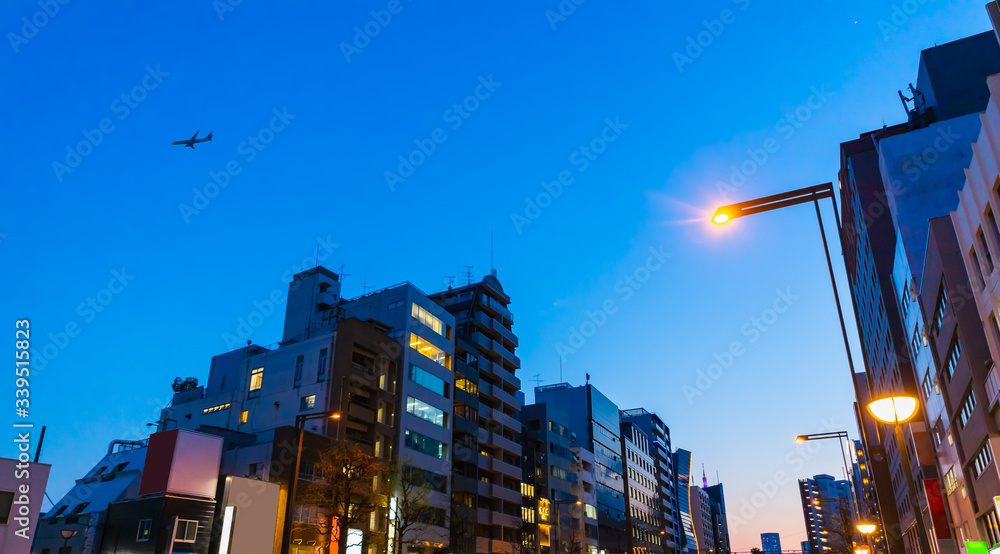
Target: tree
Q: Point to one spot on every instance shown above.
(343, 489)
(840, 526)
(462, 525)
(409, 505)
(756, 550)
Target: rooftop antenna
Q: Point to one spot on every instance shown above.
(493, 270)
(365, 289)
(340, 271)
(588, 378)
(560, 370)
(451, 280)
(468, 273)
(316, 263)
(537, 379)
(704, 479)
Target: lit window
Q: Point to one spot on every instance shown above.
(218, 408)
(256, 380)
(939, 310)
(431, 351)
(308, 402)
(468, 386)
(426, 412)
(430, 382)
(967, 407)
(426, 445)
(428, 319)
(983, 459)
(244, 416)
(144, 526)
(953, 354)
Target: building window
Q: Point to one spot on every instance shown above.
(987, 257)
(321, 370)
(6, 503)
(426, 445)
(244, 415)
(426, 412)
(187, 530)
(299, 362)
(981, 281)
(983, 459)
(308, 402)
(256, 380)
(953, 355)
(218, 408)
(928, 385)
(431, 351)
(468, 386)
(144, 526)
(992, 526)
(428, 319)
(994, 228)
(942, 303)
(430, 382)
(967, 407)
(396, 305)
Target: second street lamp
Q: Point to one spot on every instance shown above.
(558, 503)
(300, 424)
(848, 468)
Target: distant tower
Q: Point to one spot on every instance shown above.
(704, 479)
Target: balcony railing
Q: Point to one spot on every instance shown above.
(992, 387)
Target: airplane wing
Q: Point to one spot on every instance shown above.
(196, 135)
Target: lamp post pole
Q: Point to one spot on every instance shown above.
(300, 421)
(557, 504)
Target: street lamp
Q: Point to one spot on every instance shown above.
(894, 410)
(558, 503)
(67, 534)
(791, 198)
(300, 421)
(162, 422)
(841, 436)
(867, 529)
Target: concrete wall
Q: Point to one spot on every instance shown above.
(22, 489)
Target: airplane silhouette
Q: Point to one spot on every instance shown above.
(194, 140)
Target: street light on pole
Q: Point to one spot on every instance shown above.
(896, 409)
(558, 503)
(300, 421)
(841, 436)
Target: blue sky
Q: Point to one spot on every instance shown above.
(599, 97)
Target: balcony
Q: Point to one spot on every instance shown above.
(506, 398)
(506, 444)
(507, 469)
(507, 421)
(992, 388)
(325, 300)
(507, 494)
(499, 371)
(486, 462)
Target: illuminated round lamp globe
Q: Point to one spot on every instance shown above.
(866, 528)
(893, 409)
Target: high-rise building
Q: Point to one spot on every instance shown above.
(892, 181)
(827, 509)
(701, 513)
(665, 496)
(770, 543)
(682, 471)
(720, 524)
(486, 407)
(561, 474)
(642, 503)
(805, 547)
(977, 242)
(595, 419)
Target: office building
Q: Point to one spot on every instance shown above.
(642, 502)
(701, 513)
(828, 512)
(770, 543)
(595, 420)
(720, 524)
(892, 182)
(682, 472)
(665, 496)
